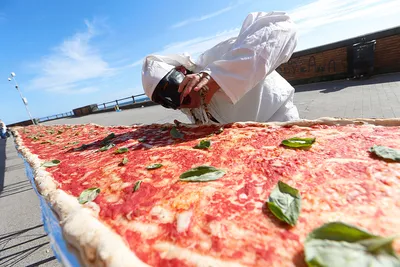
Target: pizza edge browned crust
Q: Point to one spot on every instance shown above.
(97, 244)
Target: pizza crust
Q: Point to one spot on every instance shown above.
(97, 244)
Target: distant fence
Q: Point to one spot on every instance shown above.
(55, 117)
(123, 101)
(127, 102)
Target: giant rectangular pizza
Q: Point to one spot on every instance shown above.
(316, 193)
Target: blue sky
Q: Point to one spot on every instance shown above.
(68, 54)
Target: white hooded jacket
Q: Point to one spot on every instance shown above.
(244, 68)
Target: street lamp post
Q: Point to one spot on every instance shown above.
(24, 100)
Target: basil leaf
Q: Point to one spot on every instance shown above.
(298, 142)
(338, 244)
(50, 131)
(154, 166)
(106, 147)
(137, 186)
(386, 152)
(73, 143)
(51, 163)
(142, 139)
(47, 142)
(60, 131)
(88, 195)
(121, 150)
(338, 231)
(124, 161)
(285, 203)
(202, 174)
(176, 134)
(204, 144)
(82, 147)
(220, 130)
(107, 139)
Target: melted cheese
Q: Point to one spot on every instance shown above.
(183, 221)
(163, 215)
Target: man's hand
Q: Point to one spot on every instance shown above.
(196, 82)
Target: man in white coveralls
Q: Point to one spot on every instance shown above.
(233, 81)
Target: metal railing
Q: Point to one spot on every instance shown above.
(107, 105)
(124, 101)
(55, 117)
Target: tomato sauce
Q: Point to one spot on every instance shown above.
(254, 161)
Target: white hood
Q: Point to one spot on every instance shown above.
(155, 67)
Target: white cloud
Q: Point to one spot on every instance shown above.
(72, 65)
(194, 47)
(323, 12)
(137, 63)
(74, 90)
(309, 18)
(198, 45)
(204, 17)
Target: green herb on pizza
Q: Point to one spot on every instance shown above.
(298, 142)
(137, 186)
(220, 130)
(201, 174)
(386, 152)
(337, 244)
(82, 147)
(88, 195)
(154, 166)
(51, 163)
(285, 203)
(176, 134)
(121, 150)
(47, 142)
(106, 147)
(203, 144)
(108, 138)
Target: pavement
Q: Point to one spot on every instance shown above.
(23, 241)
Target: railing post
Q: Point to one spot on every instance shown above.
(133, 99)
(104, 104)
(116, 101)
